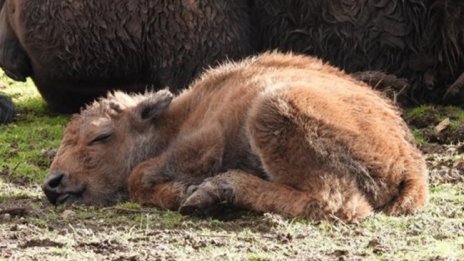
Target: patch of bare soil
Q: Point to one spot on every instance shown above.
(43, 231)
(452, 134)
(6, 173)
(445, 162)
(41, 243)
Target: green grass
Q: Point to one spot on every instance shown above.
(35, 132)
(418, 111)
(437, 113)
(418, 136)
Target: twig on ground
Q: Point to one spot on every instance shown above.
(14, 211)
(128, 210)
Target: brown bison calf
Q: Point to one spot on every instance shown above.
(279, 133)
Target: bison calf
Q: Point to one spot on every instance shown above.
(279, 133)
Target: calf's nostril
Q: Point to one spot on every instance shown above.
(50, 187)
(54, 180)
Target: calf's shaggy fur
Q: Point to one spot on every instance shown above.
(279, 133)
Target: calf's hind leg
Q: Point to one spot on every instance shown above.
(302, 183)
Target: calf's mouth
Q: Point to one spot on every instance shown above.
(57, 194)
(60, 198)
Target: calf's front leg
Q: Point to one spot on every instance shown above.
(190, 158)
(166, 195)
(162, 181)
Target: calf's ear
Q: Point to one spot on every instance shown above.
(153, 105)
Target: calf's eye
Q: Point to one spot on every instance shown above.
(102, 138)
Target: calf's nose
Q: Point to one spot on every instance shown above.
(51, 185)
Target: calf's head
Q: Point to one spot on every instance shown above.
(101, 146)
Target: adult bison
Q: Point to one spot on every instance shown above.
(77, 50)
(420, 40)
(279, 133)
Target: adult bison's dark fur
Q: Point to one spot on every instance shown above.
(7, 110)
(420, 40)
(77, 50)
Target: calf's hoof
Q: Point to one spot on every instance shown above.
(206, 198)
